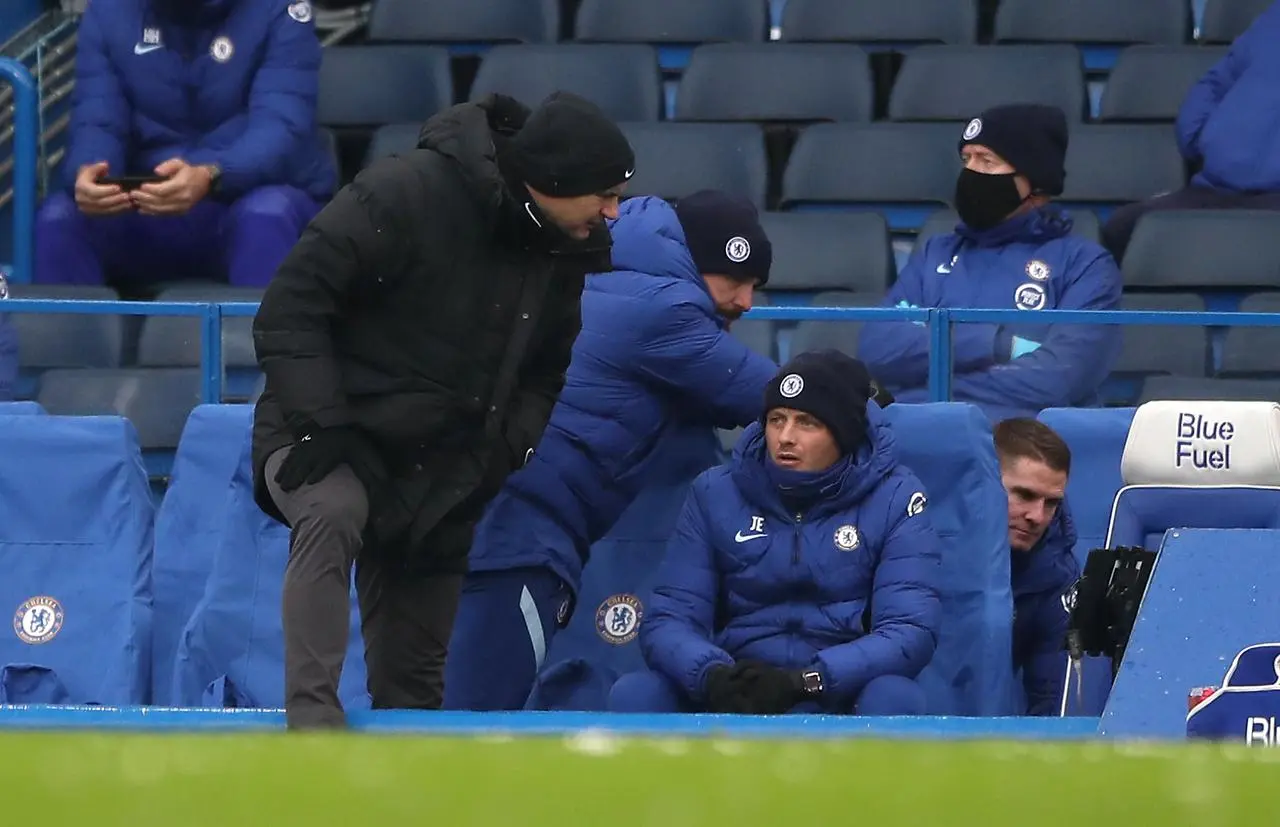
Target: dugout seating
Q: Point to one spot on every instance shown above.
(231, 652)
(76, 551)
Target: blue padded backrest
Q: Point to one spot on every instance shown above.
(75, 552)
(972, 670)
(189, 526)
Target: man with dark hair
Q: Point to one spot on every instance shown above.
(803, 574)
(414, 343)
(1034, 465)
(653, 373)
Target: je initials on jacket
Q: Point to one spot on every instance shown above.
(757, 531)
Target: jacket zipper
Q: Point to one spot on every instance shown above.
(795, 541)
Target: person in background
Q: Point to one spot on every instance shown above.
(1034, 464)
(213, 103)
(803, 575)
(1226, 128)
(1012, 249)
(654, 372)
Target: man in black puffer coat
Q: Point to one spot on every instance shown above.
(414, 343)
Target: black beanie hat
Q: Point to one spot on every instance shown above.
(569, 147)
(1030, 136)
(830, 385)
(724, 236)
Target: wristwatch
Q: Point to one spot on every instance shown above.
(812, 683)
(215, 176)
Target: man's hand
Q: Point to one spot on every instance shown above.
(774, 691)
(99, 199)
(184, 188)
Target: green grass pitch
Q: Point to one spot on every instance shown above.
(594, 778)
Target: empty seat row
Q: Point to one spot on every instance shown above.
(899, 22)
(889, 166)
(371, 85)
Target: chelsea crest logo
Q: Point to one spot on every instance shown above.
(618, 618)
(847, 538)
(38, 620)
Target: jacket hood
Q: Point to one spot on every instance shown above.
(468, 134)
(875, 461)
(1051, 564)
(648, 238)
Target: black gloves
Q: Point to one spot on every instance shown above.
(752, 688)
(318, 452)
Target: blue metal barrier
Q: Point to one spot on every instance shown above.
(938, 320)
(26, 133)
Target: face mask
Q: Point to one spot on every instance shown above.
(983, 200)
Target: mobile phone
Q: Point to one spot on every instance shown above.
(131, 182)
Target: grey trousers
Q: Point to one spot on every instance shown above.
(405, 620)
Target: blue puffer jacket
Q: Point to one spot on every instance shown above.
(1030, 263)
(240, 93)
(653, 371)
(744, 578)
(1230, 119)
(1040, 578)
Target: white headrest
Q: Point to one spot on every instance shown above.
(1203, 443)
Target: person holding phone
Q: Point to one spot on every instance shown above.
(193, 146)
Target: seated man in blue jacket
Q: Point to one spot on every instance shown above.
(1034, 464)
(803, 575)
(216, 100)
(654, 372)
(8, 347)
(1227, 128)
(1013, 250)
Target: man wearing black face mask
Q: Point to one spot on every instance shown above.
(1011, 249)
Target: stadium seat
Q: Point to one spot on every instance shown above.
(1115, 164)
(75, 549)
(623, 80)
(156, 400)
(176, 341)
(829, 251)
(896, 23)
(1163, 349)
(231, 651)
(776, 82)
(1096, 437)
(464, 21)
(1094, 21)
(971, 672)
(1253, 351)
(1203, 479)
(392, 139)
(367, 86)
(64, 340)
(1149, 83)
(678, 159)
(671, 21)
(955, 83)
(1187, 388)
(1193, 249)
(942, 222)
(812, 334)
(1225, 20)
(903, 171)
(189, 526)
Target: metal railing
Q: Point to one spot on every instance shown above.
(938, 321)
(25, 133)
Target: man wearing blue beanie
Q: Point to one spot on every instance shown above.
(803, 575)
(653, 373)
(1013, 250)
